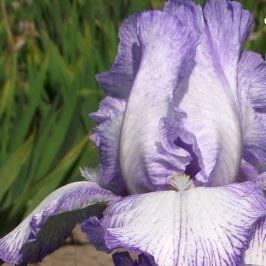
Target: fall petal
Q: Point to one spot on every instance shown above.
(124, 259)
(47, 227)
(256, 253)
(95, 233)
(202, 226)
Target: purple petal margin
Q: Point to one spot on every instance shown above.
(46, 228)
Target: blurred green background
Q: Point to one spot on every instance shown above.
(50, 52)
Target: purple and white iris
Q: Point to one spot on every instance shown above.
(182, 139)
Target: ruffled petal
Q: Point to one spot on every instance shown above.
(256, 253)
(252, 79)
(248, 172)
(173, 6)
(124, 259)
(174, 136)
(210, 97)
(167, 57)
(261, 181)
(252, 90)
(201, 226)
(254, 139)
(118, 81)
(47, 227)
(95, 233)
(227, 27)
(106, 137)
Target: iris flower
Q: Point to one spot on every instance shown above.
(182, 144)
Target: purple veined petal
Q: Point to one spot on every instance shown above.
(261, 181)
(47, 227)
(92, 227)
(252, 79)
(224, 25)
(252, 87)
(118, 81)
(173, 6)
(201, 226)
(106, 137)
(167, 56)
(187, 10)
(95, 233)
(210, 97)
(227, 25)
(248, 172)
(124, 259)
(167, 51)
(254, 139)
(174, 135)
(256, 253)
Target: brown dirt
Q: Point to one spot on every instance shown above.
(77, 256)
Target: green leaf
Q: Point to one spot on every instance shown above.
(50, 182)
(12, 166)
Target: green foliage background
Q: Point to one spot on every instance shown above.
(50, 52)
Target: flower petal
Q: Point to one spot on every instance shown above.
(118, 81)
(227, 27)
(210, 98)
(167, 56)
(175, 136)
(95, 233)
(201, 226)
(248, 172)
(256, 253)
(46, 228)
(106, 137)
(124, 259)
(252, 90)
(252, 79)
(254, 140)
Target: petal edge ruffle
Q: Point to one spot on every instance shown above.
(106, 136)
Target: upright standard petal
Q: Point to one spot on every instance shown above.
(156, 52)
(106, 136)
(256, 253)
(118, 81)
(252, 91)
(167, 57)
(201, 226)
(47, 227)
(252, 79)
(210, 98)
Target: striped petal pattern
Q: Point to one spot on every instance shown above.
(256, 253)
(201, 226)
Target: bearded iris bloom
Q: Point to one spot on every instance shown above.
(181, 136)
